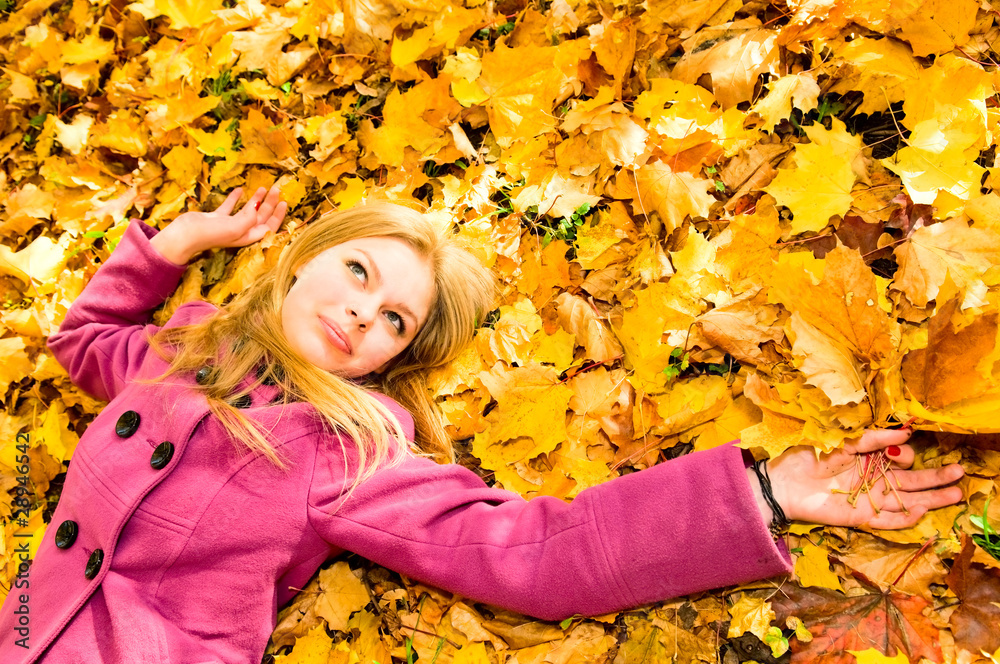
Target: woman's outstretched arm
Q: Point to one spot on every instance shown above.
(687, 525)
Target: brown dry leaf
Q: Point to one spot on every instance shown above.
(974, 622)
(578, 317)
(889, 621)
(883, 562)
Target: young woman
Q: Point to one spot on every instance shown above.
(244, 446)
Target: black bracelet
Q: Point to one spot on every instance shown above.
(779, 522)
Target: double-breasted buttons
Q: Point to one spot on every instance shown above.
(203, 375)
(94, 564)
(127, 424)
(162, 455)
(242, 401)
(66, 534)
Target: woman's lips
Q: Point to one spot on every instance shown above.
(336, 335)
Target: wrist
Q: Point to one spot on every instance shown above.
(171, 245)
(765, 510)
(779, 520)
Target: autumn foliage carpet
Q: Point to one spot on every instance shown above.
(709, 220)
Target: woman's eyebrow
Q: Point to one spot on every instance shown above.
(377, 275)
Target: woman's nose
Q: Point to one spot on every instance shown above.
(363, 314)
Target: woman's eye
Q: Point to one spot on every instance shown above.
(396, 320)
(358, 270)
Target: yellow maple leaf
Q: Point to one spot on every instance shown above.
(925, 173)
(774, 434)
(844, 304)
(265, 142)
(939, 26)
(740, 328)
(949, 249)
(182, 13)
(884, 70)
(183, 164)
(819, 185)
(641, 330)
(343, 593)
(813, 568)
(555, 349)
(14, 362)
(675, 196)
(510, 338)
(405, 125)
(122, 132)
(578, 317)
(218, 143)
(957, 362)
(685, 404)
(794, 91)
(53, 431)
(738, 54)
(607, 229)
(163, 115)
(313, 648)
(38, 265)
(445, 29)
(523, 84)
(531, 403)
(750, 614)
(472, 653)
(739, 415)
(825, 363)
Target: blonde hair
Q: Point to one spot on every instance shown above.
(247, 334)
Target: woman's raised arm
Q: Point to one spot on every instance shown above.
(104, 337)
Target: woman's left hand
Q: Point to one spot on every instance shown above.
(817, 489)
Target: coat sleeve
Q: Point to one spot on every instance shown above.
(104, 337)
(680, 527)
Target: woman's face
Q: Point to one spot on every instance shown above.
(357, 305)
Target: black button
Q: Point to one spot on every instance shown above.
(128, 424)
(203, 375)
(94, 564)
(66, 534)
(243, 401)
(162, 455)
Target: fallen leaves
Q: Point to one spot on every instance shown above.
(708, 221)
(887, 621)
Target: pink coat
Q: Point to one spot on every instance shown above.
(202, 542)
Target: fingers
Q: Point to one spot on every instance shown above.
(270, 224)
(886, 520)
(921, 480)
(231, 200)
(252, 207)
(269, 201)
(877, 439)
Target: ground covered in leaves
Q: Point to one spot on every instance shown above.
(709, 219)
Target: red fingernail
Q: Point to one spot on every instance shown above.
(893, 450)
(256, 206)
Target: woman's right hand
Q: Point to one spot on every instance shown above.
(818, 487)
(193, 232)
